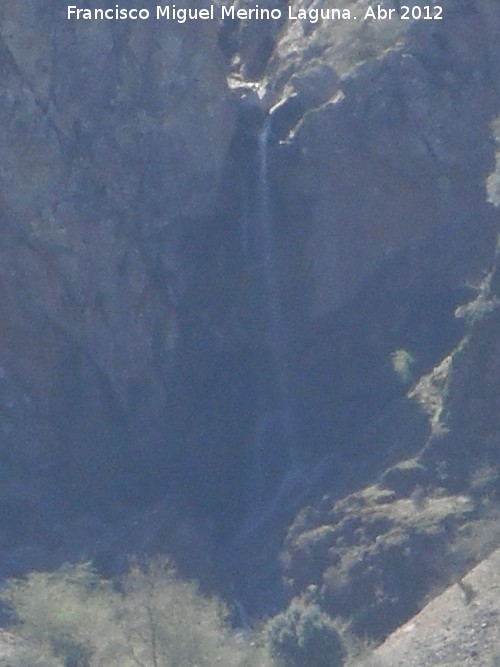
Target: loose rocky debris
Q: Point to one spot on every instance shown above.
(460, 627)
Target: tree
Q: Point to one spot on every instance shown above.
(150, 618)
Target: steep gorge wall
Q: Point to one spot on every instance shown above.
(114, 141)
(382, 148)
(135, 359)
(383, 187)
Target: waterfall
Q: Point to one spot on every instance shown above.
(274, 476)
(273, 450)
(276, 329)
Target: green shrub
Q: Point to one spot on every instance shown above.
(304, 636)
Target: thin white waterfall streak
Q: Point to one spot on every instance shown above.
(273, 468)
(277, 331)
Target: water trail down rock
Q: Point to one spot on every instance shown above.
(272, 455)
(278, 333)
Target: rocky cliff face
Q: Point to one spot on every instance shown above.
(230, 250)
(115, 138)
(385, 225)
